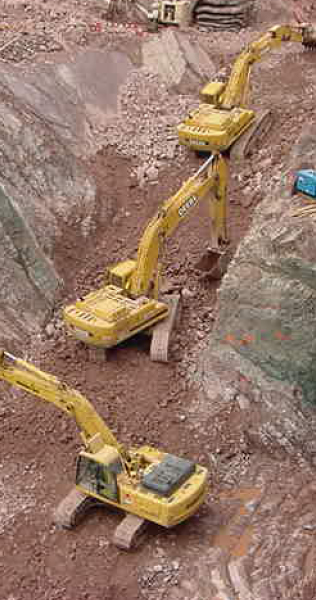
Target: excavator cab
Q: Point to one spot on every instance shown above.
(211, 92)
(97, 473)
(168, 12)
(174, 12)
(119, 274)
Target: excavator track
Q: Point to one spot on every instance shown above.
(130, 532)
(72, 509)
(249, 140)
(98, 355)
(160, 340)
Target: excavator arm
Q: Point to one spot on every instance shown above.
(236, 89)
(209, 181)
(20, 373)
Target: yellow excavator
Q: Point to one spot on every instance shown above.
(149, 485)
(224, 122)
(129, 300)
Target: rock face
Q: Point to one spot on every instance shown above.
(259, 365)
(172, 56)
(26, 270)
(263, 344)
(223, 15)
(49, 119)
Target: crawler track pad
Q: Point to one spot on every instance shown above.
(252, 137)
(130, 532)
(72, 509)
(161, 334)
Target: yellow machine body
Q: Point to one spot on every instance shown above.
(223, 116)
(106, 317)
(211, 129)
(122, 491)
(128, 302)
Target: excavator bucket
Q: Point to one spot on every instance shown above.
(214, 263)
(309, 36)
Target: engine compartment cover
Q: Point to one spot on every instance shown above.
(169, 475)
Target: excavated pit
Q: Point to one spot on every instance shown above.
(83, 171)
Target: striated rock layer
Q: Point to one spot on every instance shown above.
(223, 15)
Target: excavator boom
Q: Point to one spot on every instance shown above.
(21, 374)
(205, 183)
(236, 90)
(223, 117)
